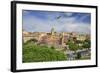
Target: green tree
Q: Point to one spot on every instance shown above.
(87, 44)
(78, 56)
(36, 53)
(72, 46)
(52, 47)
(32, 40)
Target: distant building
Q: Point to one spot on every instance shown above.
(53, 38)
(81, 37)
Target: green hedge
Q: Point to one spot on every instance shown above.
(36, 53)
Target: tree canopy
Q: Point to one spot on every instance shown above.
(36, 53)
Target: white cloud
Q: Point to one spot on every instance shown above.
(77, 27)
(69, 24)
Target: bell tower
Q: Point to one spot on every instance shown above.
(52, 31)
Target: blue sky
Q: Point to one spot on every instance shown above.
(43, 21)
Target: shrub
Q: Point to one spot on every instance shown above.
(52, 47)
(31, 41)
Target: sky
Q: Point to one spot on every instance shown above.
(43, 21)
